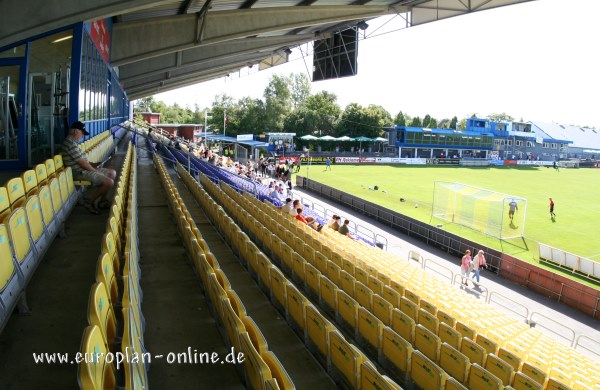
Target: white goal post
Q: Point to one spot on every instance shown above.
(490, 212)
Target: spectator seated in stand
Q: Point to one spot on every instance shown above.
(287, 207)
(344, 230)
(334, 223)
(310, 221)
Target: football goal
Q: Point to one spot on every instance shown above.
(490, 212)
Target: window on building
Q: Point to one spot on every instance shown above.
(546, 145)
(518, 143)
(530, 144)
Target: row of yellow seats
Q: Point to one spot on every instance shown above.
(29, 222)
(345, 362)
(91, 143)
(430, 325)
(262, 369)
(101, 334)
(492, 327)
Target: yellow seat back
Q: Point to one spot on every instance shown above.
(257, 371)
(363, 294)
(100, 313)
(346, 310)
(345, 359)
(295, 304)
(369, 329)
(480, 378)
(46, 203)
(449, 335)
(50, 167)
(396, 351)
(427, 342)
(58, 162)
(499, 368)
(18, 231)
(454, 363)
(523, 382)
(371, 379)
(29, 181)
(95, 372)
(403, 325)
(4, 204)
(475, 352)
(16, 192)
(382, 309)
(256, 336)
(425, 373)
(106, 274)
(34, 217)
(40, 173)
(7, 266)
(317, 332)
(55, 195)
(277, 370)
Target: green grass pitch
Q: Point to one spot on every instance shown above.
(576, 228)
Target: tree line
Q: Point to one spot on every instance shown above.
(289, 106)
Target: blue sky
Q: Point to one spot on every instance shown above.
(535, 61)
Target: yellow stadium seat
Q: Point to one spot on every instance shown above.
(443, 316)
(348, 266)
(109, 246)
(382, 309)
(510, 358)
(523, 382)
(392, 296)
(409, 308)
(428, 320)
(19, 235)
(264, 270)
(10, 284)
(501, 369)
(371, 379)
(489, 345)
(312, 281)
(257, 371)
(475, 352)
(428, 306)
(449, 335)
(375, 284)
(534, 372)
(50, 167)
(95, 372)
(403, 325)
(256, 336)
(321, 262)
(413, 296)
(232, 323)
(278, 372)
(454, 363)
(333, 272)
(425, 373)
(368, 331)
(395, 353)
(40, 238)
(4, 204)
(41, 174)
(16, 192)
(298, 273)
(317, 330)
(101, 313)
(347, 283)
(465, 330)
(106, 275)
(327, 295)
(397, 286)
(295, 306)
(427, 342)
(30, 183)
(480, 378)
(346, 311)
(345, 361)
(363, 295)
(361, 275)
(236, 302)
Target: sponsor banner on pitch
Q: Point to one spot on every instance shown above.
(355, 160)
(538, 163)
(443, 161)
(315, 160)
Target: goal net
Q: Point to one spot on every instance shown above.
(490, 212)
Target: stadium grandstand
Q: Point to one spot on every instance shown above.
(192, 277)
(585, 141)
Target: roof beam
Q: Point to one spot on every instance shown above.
(138, 40)
(200, 55)
(19, 21)
(151, 89)
(191, 71)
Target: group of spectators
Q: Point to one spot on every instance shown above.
(296, 209)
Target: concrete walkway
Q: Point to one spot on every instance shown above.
(555, 319)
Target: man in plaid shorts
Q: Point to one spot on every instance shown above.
(102, 178)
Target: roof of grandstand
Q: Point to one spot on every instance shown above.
(164, 45)
(582, 137)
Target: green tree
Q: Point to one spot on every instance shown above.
(400, 119)
(453, 123)
(278, 102)
(416, 122)
(503, 117)
(300, 88)
(358, 121)
(426, 120)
